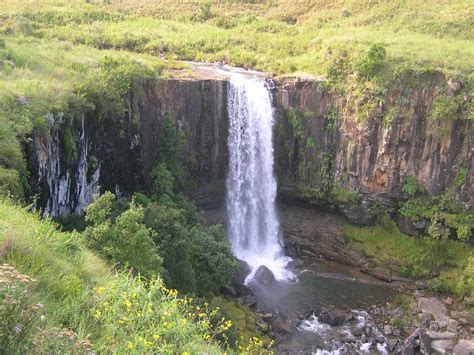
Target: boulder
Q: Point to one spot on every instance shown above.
(264, 276)
(282, 328)
(433, 306)
(440, 335)
(333, 317)
(441, 346)
(464, 347)
(425, 343)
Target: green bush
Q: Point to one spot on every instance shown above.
(412, 187)
(443, 107)
(124, 240)
(371, 61)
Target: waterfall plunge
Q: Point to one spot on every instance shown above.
(251, 186)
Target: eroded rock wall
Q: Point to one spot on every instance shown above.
(370, 153)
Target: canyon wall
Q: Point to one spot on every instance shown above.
(323, 142)
(324, 138)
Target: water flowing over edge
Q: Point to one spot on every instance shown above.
(254, 229)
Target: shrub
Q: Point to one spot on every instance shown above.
(370, 62)
(412, 187)
(125, 240)
(443, 107)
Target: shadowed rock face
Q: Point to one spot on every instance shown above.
(372, 157)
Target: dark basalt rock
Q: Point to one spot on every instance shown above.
(264, 276)
(333, 317)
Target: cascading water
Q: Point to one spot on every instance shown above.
(251, 186)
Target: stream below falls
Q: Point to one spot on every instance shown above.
(325, 313)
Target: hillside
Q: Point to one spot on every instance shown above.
(69, 300)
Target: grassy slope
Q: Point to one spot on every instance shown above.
(74, 284)
(279, 36)
(417, 257)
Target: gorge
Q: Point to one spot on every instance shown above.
(326, 159)
(236, 177)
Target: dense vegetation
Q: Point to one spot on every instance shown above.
(56, 296)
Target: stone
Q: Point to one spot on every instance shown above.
(333, 317)
(433, 306)
(454, 86)
(264, 276)
(410, 343)
(464, 347)
(23, 100)
(425, 343)
(448, 301)
(426, 319)
(250, 301)
(228, 291)
(440, 335)
(282, 327)
(387, 329)
(471, 330)
(441, 346)
(453, 325)
(392, 344)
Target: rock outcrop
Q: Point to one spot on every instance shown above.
(323, 139)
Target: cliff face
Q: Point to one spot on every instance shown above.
(322, 141)
(119, 153)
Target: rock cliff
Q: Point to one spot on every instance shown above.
(325, 141)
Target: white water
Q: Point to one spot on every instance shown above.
(251, 186)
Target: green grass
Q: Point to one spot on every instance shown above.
(387, 247)
(278, 36)
(115, 312)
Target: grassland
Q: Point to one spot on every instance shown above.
(450, 261)
(279, 36)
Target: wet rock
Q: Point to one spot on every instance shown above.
(441, 346)
(333, 317)
(282, 328)
(228, 291)
(464, 347)
(264, 276)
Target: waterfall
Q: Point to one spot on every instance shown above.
(254, 229)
